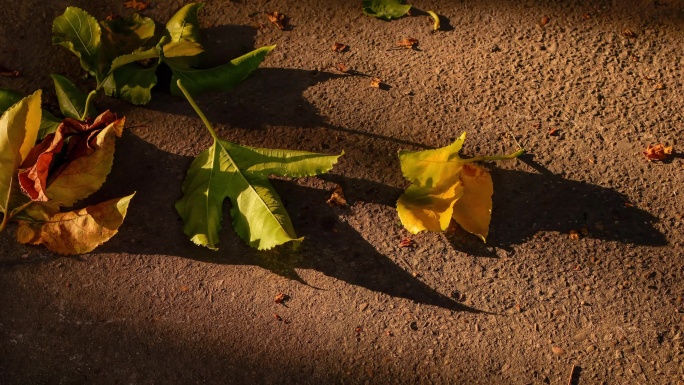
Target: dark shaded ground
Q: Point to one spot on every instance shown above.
(150, 307)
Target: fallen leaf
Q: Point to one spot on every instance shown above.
(445, 186)
(277, 317)
(555, 131)
(337, 198)
(375, 82)
(388, 333)
(545, 20)
(342, 67)
(628, 33)
(408, 43)
(358, 330)
(574, 235)
(137, 5)
(657, 152)
(281, 297)
(406, 242)
(82, 167)
(278, 19)
(659, 86)
(8, 73)
(385, 9)
(74, 232)
(184, 288)
(339, 47)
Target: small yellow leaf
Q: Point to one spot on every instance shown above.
(422, 208)
(473, 211)
(432, 167)
(74, 232)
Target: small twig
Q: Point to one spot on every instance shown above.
(572, 376)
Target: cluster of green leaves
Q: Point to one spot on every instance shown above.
(124, 53)
(445, 186)
(385, 9)
(229, 170)
(68, 165)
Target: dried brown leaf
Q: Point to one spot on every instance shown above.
(337, 198)
(281, 297)
(375, 82)
(8, 73)
(574, 235)
(545, 20)
(278, 19)
(659, 86)
(342, 67)
(339, 47)
(555, 131)
(137, 5)
(657, 152)
(628, 33)
(408, 43)
(406, 242)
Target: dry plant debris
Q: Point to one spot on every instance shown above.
(408, 43)
(406, 242)
(555, 131)
(339, 47)
(657, 152)
(337, 198)
(137, 5)
(545, 20)
(375, 82)
(278, 19)
(628, 33)
(8, 73)
(342, 68)
(574, 235)
(280, 298)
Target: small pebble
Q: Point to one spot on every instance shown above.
(558, 350)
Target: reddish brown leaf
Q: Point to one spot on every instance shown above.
(8, 73)
(40, 168)
(339, 47)
(555, 131)
(574, 235)
(278, 19)
(342, 67)
(545, 20)
(337, 198)
(406, 242)
(408, 43)
(281, 297)
(277, 317)
(137, 5)
(657, 152)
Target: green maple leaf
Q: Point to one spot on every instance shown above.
(240, 173)
(385, 9)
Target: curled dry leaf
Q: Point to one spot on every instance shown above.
(435, 20)
(74, 232)
(66, 175)
(406, 242)
(574, 235)
(342, 68)
(277, 317)
(657, 152)
(281, 297)
(375, 82)
(337, 198)
(408, 43)
(339, 47)
(659, 86)
(278, 19)
(137, 5)
(545, 20)
(8, 73)
(554, 131)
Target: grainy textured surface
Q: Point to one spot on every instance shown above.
(151, 308)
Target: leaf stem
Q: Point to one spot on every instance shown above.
(89, 100)
(485, 158)
(197, 110)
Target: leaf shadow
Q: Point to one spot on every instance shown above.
(332, 247)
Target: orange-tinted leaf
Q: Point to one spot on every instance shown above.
(342, 68)
(8, 73)
(339, 47)
(137, 5)
(81, 170)
(337, 198)
(422, 208)
(545, 20)
(74, 232)
(657, 152)
(375, 82)
(408, 43)
(278, 19)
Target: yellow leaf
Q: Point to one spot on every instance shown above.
(74, 232)
(433, 167)
(473, 211)
(422, 208)
(19, 127)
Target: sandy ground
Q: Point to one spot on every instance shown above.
(149, 307)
